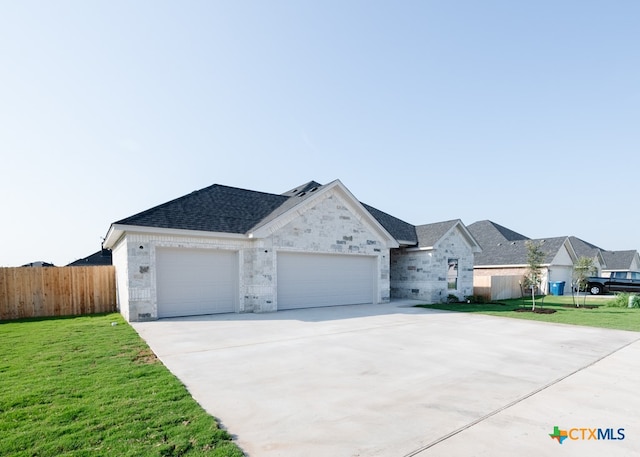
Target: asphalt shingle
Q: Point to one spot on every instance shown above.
(219, 208)
(618, 260)
(489, 233)
(215, 208)
(583, 248)
(515, 252)
(429, 234)
(399, 229)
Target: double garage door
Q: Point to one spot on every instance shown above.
(312, 280)
(203, 281)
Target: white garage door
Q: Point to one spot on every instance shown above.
(196, 281)
(311, 280)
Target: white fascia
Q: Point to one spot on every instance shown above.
(407, 244)
(422, 248)
(116, 231)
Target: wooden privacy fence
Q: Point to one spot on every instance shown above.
(56, 291)
(497, 287)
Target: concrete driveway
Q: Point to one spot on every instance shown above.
(397, 381)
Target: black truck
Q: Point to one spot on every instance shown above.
(619, 281)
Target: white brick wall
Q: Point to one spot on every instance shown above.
(331, 225)
(119, 258)
(423, 274)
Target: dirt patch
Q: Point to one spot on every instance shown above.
(536, 311)
(145, 356)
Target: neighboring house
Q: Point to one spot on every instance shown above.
(504, 253)
(102, 257)
(38, 263)
(488, 233)
(590, 251)
(223, 249)
(620, 261)
(437, 264)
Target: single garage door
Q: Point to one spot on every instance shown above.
(196, 281)
(312, 280)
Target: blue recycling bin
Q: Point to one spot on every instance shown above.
(557, 287)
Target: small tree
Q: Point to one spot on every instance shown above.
(533, 276)
(582, 269)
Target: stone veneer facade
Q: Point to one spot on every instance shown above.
(422, 274)
(329, 224)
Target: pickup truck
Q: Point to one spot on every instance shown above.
(619, 281)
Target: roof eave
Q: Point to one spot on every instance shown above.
(421, 248)
(117, 231)
(407, 243)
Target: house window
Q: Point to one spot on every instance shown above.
(452, 274)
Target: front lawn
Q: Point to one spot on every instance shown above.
(88, 386)
(565, 313)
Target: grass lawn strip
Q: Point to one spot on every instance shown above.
(84, 387)
(602, 316)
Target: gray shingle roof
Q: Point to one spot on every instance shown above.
(302, 189)
(583, 248)
(618, 260)
(489, 233)
(102, 257)
(215, 208)
(515, 252)
(219, 208)
(293, 197)
(399, 229)
(429, 234)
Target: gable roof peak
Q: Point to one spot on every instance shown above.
(430, 234)
(310, 186)
(503, 231)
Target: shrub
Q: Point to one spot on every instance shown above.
(622, 300)
(476, 299)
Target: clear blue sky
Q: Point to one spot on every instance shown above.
(524, 113)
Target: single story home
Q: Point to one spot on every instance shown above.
(620, 261)
(100, 258)
(504, 254)
(38, 263)
(504, 257)
(590, 251)
(222, 249)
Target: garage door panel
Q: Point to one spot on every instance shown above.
(312, 280)
(195, 281)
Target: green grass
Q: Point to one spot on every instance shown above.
(605, 315)
(82, 387)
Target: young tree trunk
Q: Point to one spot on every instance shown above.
(533, 297)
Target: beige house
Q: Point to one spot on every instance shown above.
(500, 267)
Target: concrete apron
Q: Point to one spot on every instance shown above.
(393, 380)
